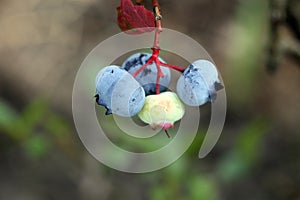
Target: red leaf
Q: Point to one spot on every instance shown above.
(131, 17)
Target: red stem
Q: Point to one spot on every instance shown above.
(143, 67)
(155, 3)
(156, 39)
(158, 26)
(157, 89)
(156, 50)
(172, 67)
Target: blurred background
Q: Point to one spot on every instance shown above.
(256, 46)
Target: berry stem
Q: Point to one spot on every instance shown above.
(173, 67)
(156, 49)
(158, 26)
(143, 67)
(157, 89)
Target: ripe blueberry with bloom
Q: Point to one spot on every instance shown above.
(119, 92)
(199, 83)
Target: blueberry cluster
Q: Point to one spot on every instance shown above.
(124, 92)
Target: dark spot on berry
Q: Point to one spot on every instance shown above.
(112, 71)
(145, 72)
(141, 56)
(134, 62)
(190, 69)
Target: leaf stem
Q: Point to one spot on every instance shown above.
(173, 67)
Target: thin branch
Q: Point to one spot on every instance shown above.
(158, 26)
(156, 50)
(172, 67)
(291, 47)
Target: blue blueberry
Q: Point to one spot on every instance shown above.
(199, 83)
(119, 92)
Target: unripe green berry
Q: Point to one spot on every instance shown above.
(162, 110)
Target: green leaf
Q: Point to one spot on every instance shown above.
(250, 138)
(201, 187)
(7, 116)
(36, 146)
(29, 119)
(246, 151)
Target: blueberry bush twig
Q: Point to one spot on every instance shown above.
(156, 49)
(284, 32)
